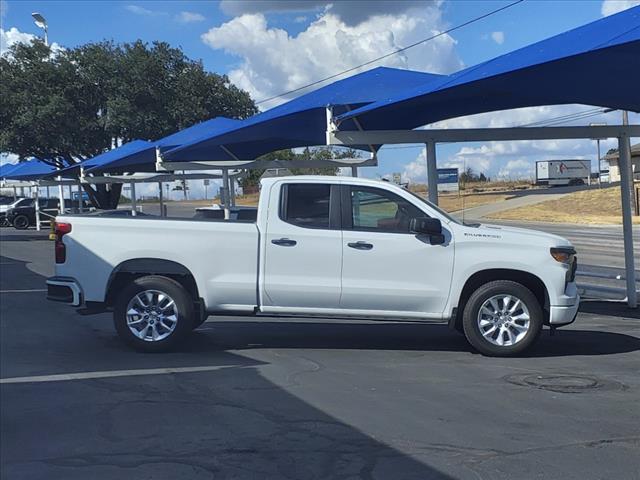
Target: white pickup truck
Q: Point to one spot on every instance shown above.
(318, 246)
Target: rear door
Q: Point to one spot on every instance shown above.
(303, 247)
(385, 268)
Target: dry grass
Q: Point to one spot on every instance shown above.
(592, 207)
(483, 187)
(454, 202)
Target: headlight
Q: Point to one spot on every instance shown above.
(563, 254)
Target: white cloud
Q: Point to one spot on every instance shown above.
(272, 61)
(498, 37)
(190, 17)
(11, 158)
(609, 7)
(517, 169)
(13, 36)
(138, 10)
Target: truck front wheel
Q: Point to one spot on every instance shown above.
(153, 314)
(21, 222)
(502, 318)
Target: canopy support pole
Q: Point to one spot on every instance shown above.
(60, 192)
(432, 172)
(37, 205)
(80, 209)
(232, 190)
(224, 193)
(626, 185)
(161, 198)
(354, 171)
(47, 188)
(15, 194)
(134, 205)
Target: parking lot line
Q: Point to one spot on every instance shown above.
(63, 377)
(29, 290)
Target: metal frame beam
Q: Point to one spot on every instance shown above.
(384, 137)
(163, 166)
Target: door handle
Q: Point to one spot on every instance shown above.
(284, 242)
(360, 245)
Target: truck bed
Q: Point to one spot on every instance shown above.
(222, 256)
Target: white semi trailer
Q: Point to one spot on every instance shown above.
(563, 172)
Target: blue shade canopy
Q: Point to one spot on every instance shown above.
(596, 64)
(6, 168)
(32, 169)
(121, 153)
(301, 121)
(140, 155)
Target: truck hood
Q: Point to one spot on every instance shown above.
(515, 234)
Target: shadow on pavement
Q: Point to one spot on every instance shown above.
(610, 309)
(240, 335)
(26, 236)
(230, 423)
(226, 423)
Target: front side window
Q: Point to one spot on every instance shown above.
(306, 205)
(379, 210)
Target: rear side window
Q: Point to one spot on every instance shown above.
(306, 204)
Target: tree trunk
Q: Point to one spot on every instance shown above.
(104, 196)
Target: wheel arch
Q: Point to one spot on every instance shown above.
(527, 279)
(129, 270)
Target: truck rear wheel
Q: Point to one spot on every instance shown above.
(153, 314)
(502, 318)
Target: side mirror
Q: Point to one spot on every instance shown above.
(425, 226)
(428, 226)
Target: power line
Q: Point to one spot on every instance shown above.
(424, 40)
(566, 117)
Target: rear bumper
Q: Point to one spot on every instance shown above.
(64, 290)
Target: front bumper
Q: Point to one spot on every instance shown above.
(64, 290)
(563, 315)
(566, 306)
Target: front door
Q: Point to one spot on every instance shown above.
(385, 268)
(303, 248)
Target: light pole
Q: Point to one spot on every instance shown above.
(40, 22)
(599, 158)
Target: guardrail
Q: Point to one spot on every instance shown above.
(599, 291)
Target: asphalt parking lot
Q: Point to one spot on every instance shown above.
(249, 398)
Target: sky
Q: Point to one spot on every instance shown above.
(271, 46)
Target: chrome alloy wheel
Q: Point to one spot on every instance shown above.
(152, 315)
(503, 320)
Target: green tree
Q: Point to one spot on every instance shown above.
(252, 177)
(71, 105)
(468, 176)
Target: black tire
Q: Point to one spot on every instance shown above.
(182, 300)
(484, 293)
(21, 222)
(4, 222)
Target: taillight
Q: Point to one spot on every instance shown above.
(61, 251)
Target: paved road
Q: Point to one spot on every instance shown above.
(250, 398)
